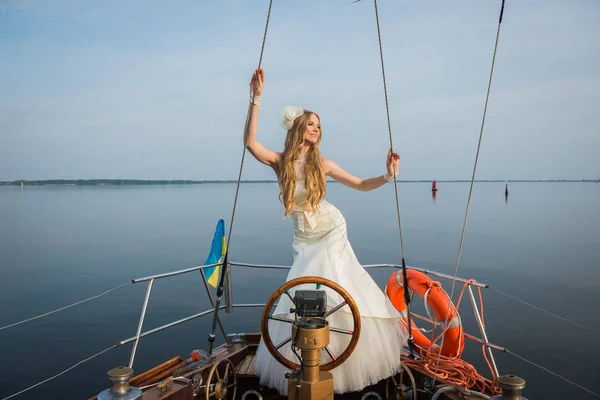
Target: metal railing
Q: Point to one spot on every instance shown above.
(229, 306)
(238, 337)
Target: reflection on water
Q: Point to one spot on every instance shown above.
(61, 245)
(434, 191)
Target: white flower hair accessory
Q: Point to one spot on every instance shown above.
(289, 114)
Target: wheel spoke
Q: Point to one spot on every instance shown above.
(398, 386)
(344, 331)
(274, 306)
(334, 309)
(217, 373)
(280, 319)
(289, 296)
(226, 371)
(286, 341)
(333, 358)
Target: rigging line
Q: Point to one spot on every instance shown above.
(250, 112)
(224, 270)
(387, 110)
(548, 312)
(554, 373)
(462, 236)
(60, 373)
(63, 308)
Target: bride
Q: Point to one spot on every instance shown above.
(321, 248)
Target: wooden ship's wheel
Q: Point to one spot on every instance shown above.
(284, 289)
(221, 382)
(396, 387)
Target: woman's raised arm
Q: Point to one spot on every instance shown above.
(260, 152)
(364, 185)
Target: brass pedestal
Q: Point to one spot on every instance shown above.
(310, 336)
(319, 390)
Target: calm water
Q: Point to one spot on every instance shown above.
(59, 245)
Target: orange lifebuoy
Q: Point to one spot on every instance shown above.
(436, 299)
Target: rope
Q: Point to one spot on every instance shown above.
(177, 378)
(453, 370)
(554, 373)
(387, 110)
(548, 312)
(225, 263)
(250, 112)
(458, 372)
(62, 308)
(60, 373)
(462, 236)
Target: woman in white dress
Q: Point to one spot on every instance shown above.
(321, 248)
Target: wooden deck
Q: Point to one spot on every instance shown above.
(242, 354)
(246, 367)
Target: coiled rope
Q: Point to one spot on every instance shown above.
(454, 370)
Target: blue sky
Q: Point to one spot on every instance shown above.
(159, 89)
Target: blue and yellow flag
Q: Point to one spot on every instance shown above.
(216, 254)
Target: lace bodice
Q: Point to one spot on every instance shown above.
(300, 167)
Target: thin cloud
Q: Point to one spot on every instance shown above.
(161, 92)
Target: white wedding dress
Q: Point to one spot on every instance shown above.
(321, 248)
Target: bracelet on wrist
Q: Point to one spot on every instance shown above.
(388, 177)
(255, 100)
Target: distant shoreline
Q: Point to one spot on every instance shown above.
(129, 182)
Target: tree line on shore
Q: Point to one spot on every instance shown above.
(118, 182)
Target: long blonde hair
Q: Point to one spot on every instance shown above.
(315, 171)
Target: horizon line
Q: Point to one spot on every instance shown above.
(193, 181)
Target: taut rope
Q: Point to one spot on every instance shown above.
(387, 109)
(211, 337)
(462, 236)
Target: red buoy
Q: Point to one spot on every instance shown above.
(434, 186)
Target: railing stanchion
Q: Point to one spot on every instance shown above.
(139, 329)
